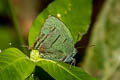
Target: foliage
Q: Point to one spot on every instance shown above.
(75, 14)
(103, 60)
(62, 71)
(15, 65)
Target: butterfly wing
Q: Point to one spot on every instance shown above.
(55, 40)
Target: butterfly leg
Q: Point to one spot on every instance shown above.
(73, 62)
(26, 46)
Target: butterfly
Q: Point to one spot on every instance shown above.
(55, 41)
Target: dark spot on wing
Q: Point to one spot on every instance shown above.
(55, 40)
(65, 40)
(42, 41)
(41, 35)
(52, 29)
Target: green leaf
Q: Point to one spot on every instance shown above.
(14, 65)
(31, 77)
(103, 60)
(40, 74)
(62, 71)
(74, 13)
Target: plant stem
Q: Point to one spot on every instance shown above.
(16, 24)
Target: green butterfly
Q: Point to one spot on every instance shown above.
(55, 41)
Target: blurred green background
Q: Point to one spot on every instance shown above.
(16, 17)
(102, 60)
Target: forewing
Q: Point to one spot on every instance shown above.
(56, 39)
